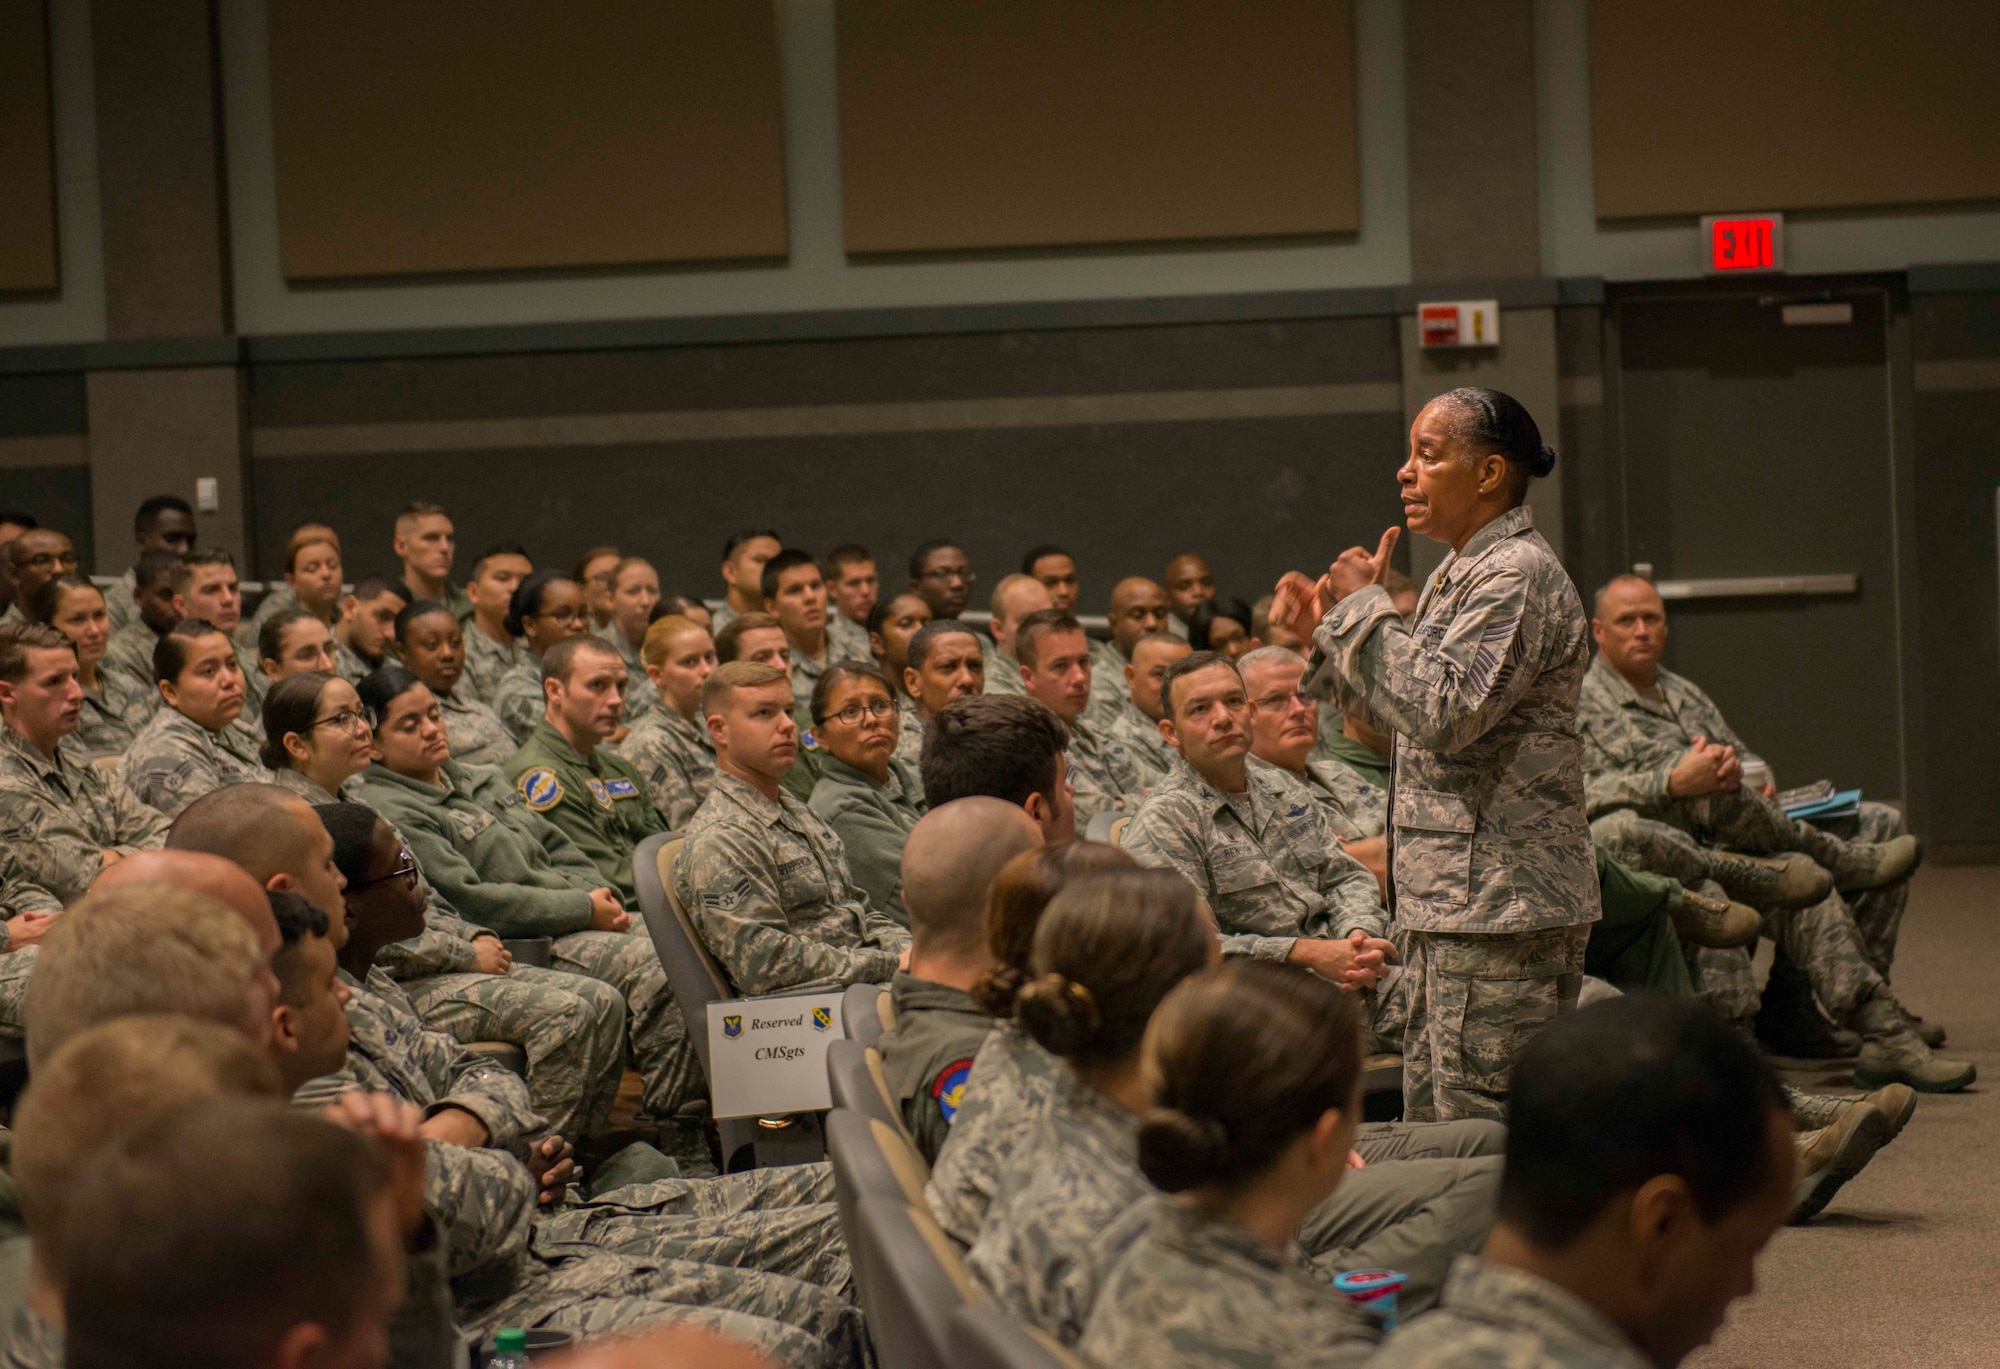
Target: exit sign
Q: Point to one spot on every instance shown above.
(1735, 244)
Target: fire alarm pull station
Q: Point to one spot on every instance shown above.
(1459, 323)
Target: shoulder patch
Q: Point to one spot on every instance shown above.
(1297, 812)
(949, 1087)
(598, 792)
(621, 789)
(539, 788)
(807, 741)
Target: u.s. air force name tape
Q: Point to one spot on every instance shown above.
(767, 1056)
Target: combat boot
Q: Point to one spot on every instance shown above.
(1896, 1102)
(1861, 865)
(1832, 1155)
(1705, 920)
(1892, 1054)
(1790, 1023)
(1788, 881)
(1930, 1033)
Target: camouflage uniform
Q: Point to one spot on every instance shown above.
(599, 801)
(1141, 738)
(767, 884)
(347, 662)
(1103, 772)
(1197, 1291)
(1001, 670)
(518, 698)
(1265, 860)
(1492, 865)
(113, 715)
(720, 618)
(279, 597)
(175, 760)
(59, 816)
(1002, 1098)
(506, 1270)
(514, 872)
(677, 759)
(129, 656)
(474, 731)
(256, 684)
(1108, 695)
(121, 599)
(909, 733)
(18, 894)
(872, 821)
(1362, 759)
(846, 640)
(640, 692)
(806, 672)
(1496, 1317)
(486, 661)
(927, 1056)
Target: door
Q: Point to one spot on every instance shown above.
(1754, 448)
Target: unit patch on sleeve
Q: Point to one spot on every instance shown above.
(540, 788)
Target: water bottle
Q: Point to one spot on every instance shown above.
(510, 1349)
(1372, 1293)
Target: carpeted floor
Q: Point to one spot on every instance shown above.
(1904, 1267)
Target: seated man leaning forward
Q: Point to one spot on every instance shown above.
(1252, 841)
(763, 876)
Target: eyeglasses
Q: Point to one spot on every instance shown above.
(45, 559)
(563, 615)
(854, 713)
(349, 720)
(963, 576)
(407, 872)
(1277, 703)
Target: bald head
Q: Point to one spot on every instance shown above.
(1138, 607)
(261, 827)
(949, 862)
(199, 872)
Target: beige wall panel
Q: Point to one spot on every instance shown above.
(1029, 123)
(520, 135)
(27, 150)
(1707, 106)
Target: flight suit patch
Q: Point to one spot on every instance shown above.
(948, 1089)
(598, 792)
(621, 789)
(540, 789)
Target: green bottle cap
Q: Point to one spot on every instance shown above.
(512, 1341)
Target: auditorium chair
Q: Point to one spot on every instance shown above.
(865, 1013)
(987, 1338)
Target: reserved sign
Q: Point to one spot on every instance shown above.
(767, 1056)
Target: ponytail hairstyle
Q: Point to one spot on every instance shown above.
(289, 707)
(1014, 907)
(1241, 1060)
(1108, 950)
(1489, 421)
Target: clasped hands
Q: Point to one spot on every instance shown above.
(1298, 603)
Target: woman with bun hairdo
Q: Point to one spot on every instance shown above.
(1493, 876)
(1254, 1069)
(1011, 1077)
(1106, 953)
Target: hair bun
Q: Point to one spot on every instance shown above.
(1178, 1151)
(1544, 462)
(1058, 1012)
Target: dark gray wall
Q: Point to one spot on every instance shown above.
(48, 405)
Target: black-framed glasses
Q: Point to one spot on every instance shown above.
(353, 721)
(563, 615)
(852, 715)
(407, 872)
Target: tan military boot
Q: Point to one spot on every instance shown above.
(1717, 922)
(1860, 865)
(1896, 1102)
(1788, 881)
(1893, 1054)
(1832, 1155)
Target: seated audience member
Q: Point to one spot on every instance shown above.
(114, 708)
(765, 878)
(206, 587)
(1055, 668)
(1004, 748)
(795, 594)
(1252, 841)
(312, 580)
(547, 608)
(1649, 1160)
(233, 1234)
(943, 660)
(870, 798)
(309, 1013)
(669, 743)
(759, 637)
(507, 868)
(1014, 598)
(1107, 951)
(500, 1214)
(635, 591)
(597, 797)
(941, 573)
(291, 641)
(431, 645)
(686, 606)
(426, 543)
(1189, 584)
(1007, 1088)
(366, 630)
(128, 656)
(892, 623)
(1056, 570)
(490, 649)
(13, 522)
(743, 556)
(593, 572)
(32, 559)
(1139, 608)
(163, 526)
(952, 858)
(1254, 1097)
(318, 737)
(62, 817)
(1222, 626)
(852, 587)
(193, 745)
(1137, 724)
